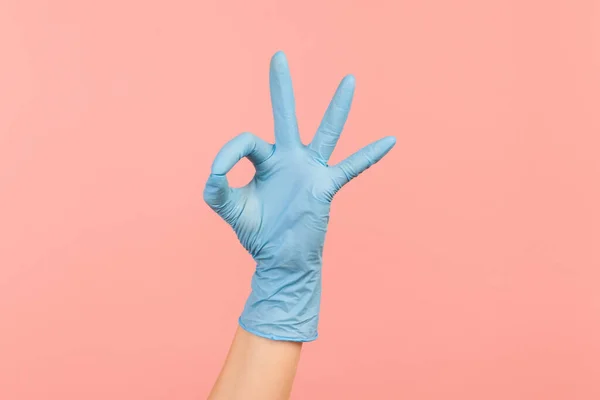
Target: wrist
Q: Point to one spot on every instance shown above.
(284, 303)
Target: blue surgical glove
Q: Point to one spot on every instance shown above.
(281, 216)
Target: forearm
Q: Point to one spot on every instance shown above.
(281, 313)
(257, 368)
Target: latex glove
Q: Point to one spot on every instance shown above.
(281, 216)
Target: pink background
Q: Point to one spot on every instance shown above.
(465, 266)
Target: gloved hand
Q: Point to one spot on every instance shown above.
(281, 216)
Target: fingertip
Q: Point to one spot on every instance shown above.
(278, 59)
(389, 140)
(383, 146)
(216, 182)
(220, 166)
(215, 191)
(349, 80)
(345, 92)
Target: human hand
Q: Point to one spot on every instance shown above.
(281, 216)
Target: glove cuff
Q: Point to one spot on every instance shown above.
(284, 309)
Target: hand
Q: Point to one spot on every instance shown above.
(281, 216)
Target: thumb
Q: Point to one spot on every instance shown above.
(217, 192)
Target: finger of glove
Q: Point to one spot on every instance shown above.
(334, 120)
(284, 105)
(217, 191)
(243, 145)
(358, 162)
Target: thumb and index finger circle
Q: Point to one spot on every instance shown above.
(217, 190)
